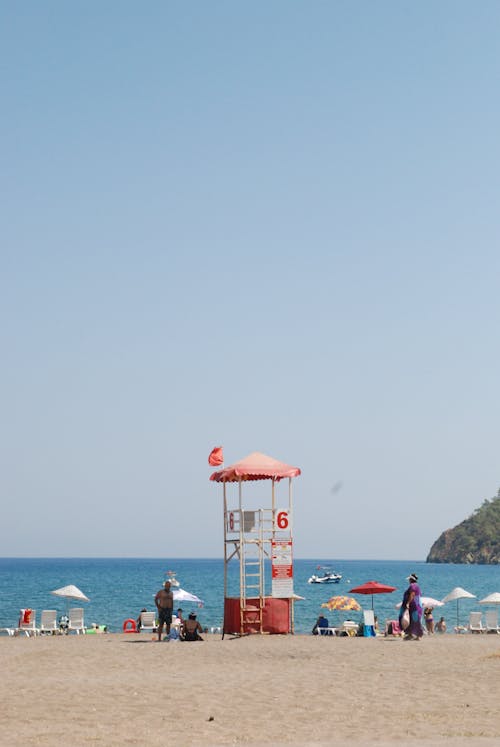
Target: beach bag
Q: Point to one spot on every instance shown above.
(405, 619)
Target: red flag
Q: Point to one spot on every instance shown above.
(216, 459)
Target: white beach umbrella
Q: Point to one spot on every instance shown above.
(430, 602)
(181, 595)
(456, 594)
(491, 598)
(426, 602)
(70, 592)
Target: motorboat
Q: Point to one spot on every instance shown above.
(327, 577)
(171, 576)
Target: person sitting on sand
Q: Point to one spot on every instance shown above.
(441, 625)
(191, 629)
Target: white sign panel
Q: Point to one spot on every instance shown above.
(282, 568)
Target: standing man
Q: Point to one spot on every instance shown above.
(164, 601)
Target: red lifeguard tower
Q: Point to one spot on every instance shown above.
(252, 535)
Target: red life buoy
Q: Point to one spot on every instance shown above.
(129, 626)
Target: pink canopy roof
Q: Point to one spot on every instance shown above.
(255, 466)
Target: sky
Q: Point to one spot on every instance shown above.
(267, 226)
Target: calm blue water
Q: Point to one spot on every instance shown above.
(119, 587)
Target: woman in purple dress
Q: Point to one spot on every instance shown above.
(411, 599)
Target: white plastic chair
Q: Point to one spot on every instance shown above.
(48, 622)
(148, 621)
(29, 628)
(491, 621)
(476, 622)
(76, 620)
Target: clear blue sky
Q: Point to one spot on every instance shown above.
(272, 226)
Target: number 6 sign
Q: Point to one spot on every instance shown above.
(281, 520)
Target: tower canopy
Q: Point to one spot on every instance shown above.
(255, 466)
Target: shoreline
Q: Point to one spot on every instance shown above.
(115, 689)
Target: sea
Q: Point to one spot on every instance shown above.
(118, 588)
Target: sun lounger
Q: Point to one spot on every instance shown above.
(48, 622)
(76, 620)
(491, 622)
(349, 627)
(476, 622)
(148, 621)
(27, 622)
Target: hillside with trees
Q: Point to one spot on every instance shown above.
(475, 540)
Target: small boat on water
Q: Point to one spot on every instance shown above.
(171, 576)
(327, 577)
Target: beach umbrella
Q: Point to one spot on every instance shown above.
(342, 604)
(70, 592)
(491, 598)
(430, 602)
(427, 602)
(372, 587)
(456, 594)
(181, 595)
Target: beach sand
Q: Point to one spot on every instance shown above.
(259, 690)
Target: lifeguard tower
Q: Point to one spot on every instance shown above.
(252, 536)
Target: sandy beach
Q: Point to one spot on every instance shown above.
(260, 690)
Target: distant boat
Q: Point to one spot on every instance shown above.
(171, 576)
(327, 577)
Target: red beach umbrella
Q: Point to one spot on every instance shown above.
(372, 587)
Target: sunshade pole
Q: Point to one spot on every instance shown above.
(224, 534)
(291, 540)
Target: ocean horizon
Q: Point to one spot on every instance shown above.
(118, 587)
